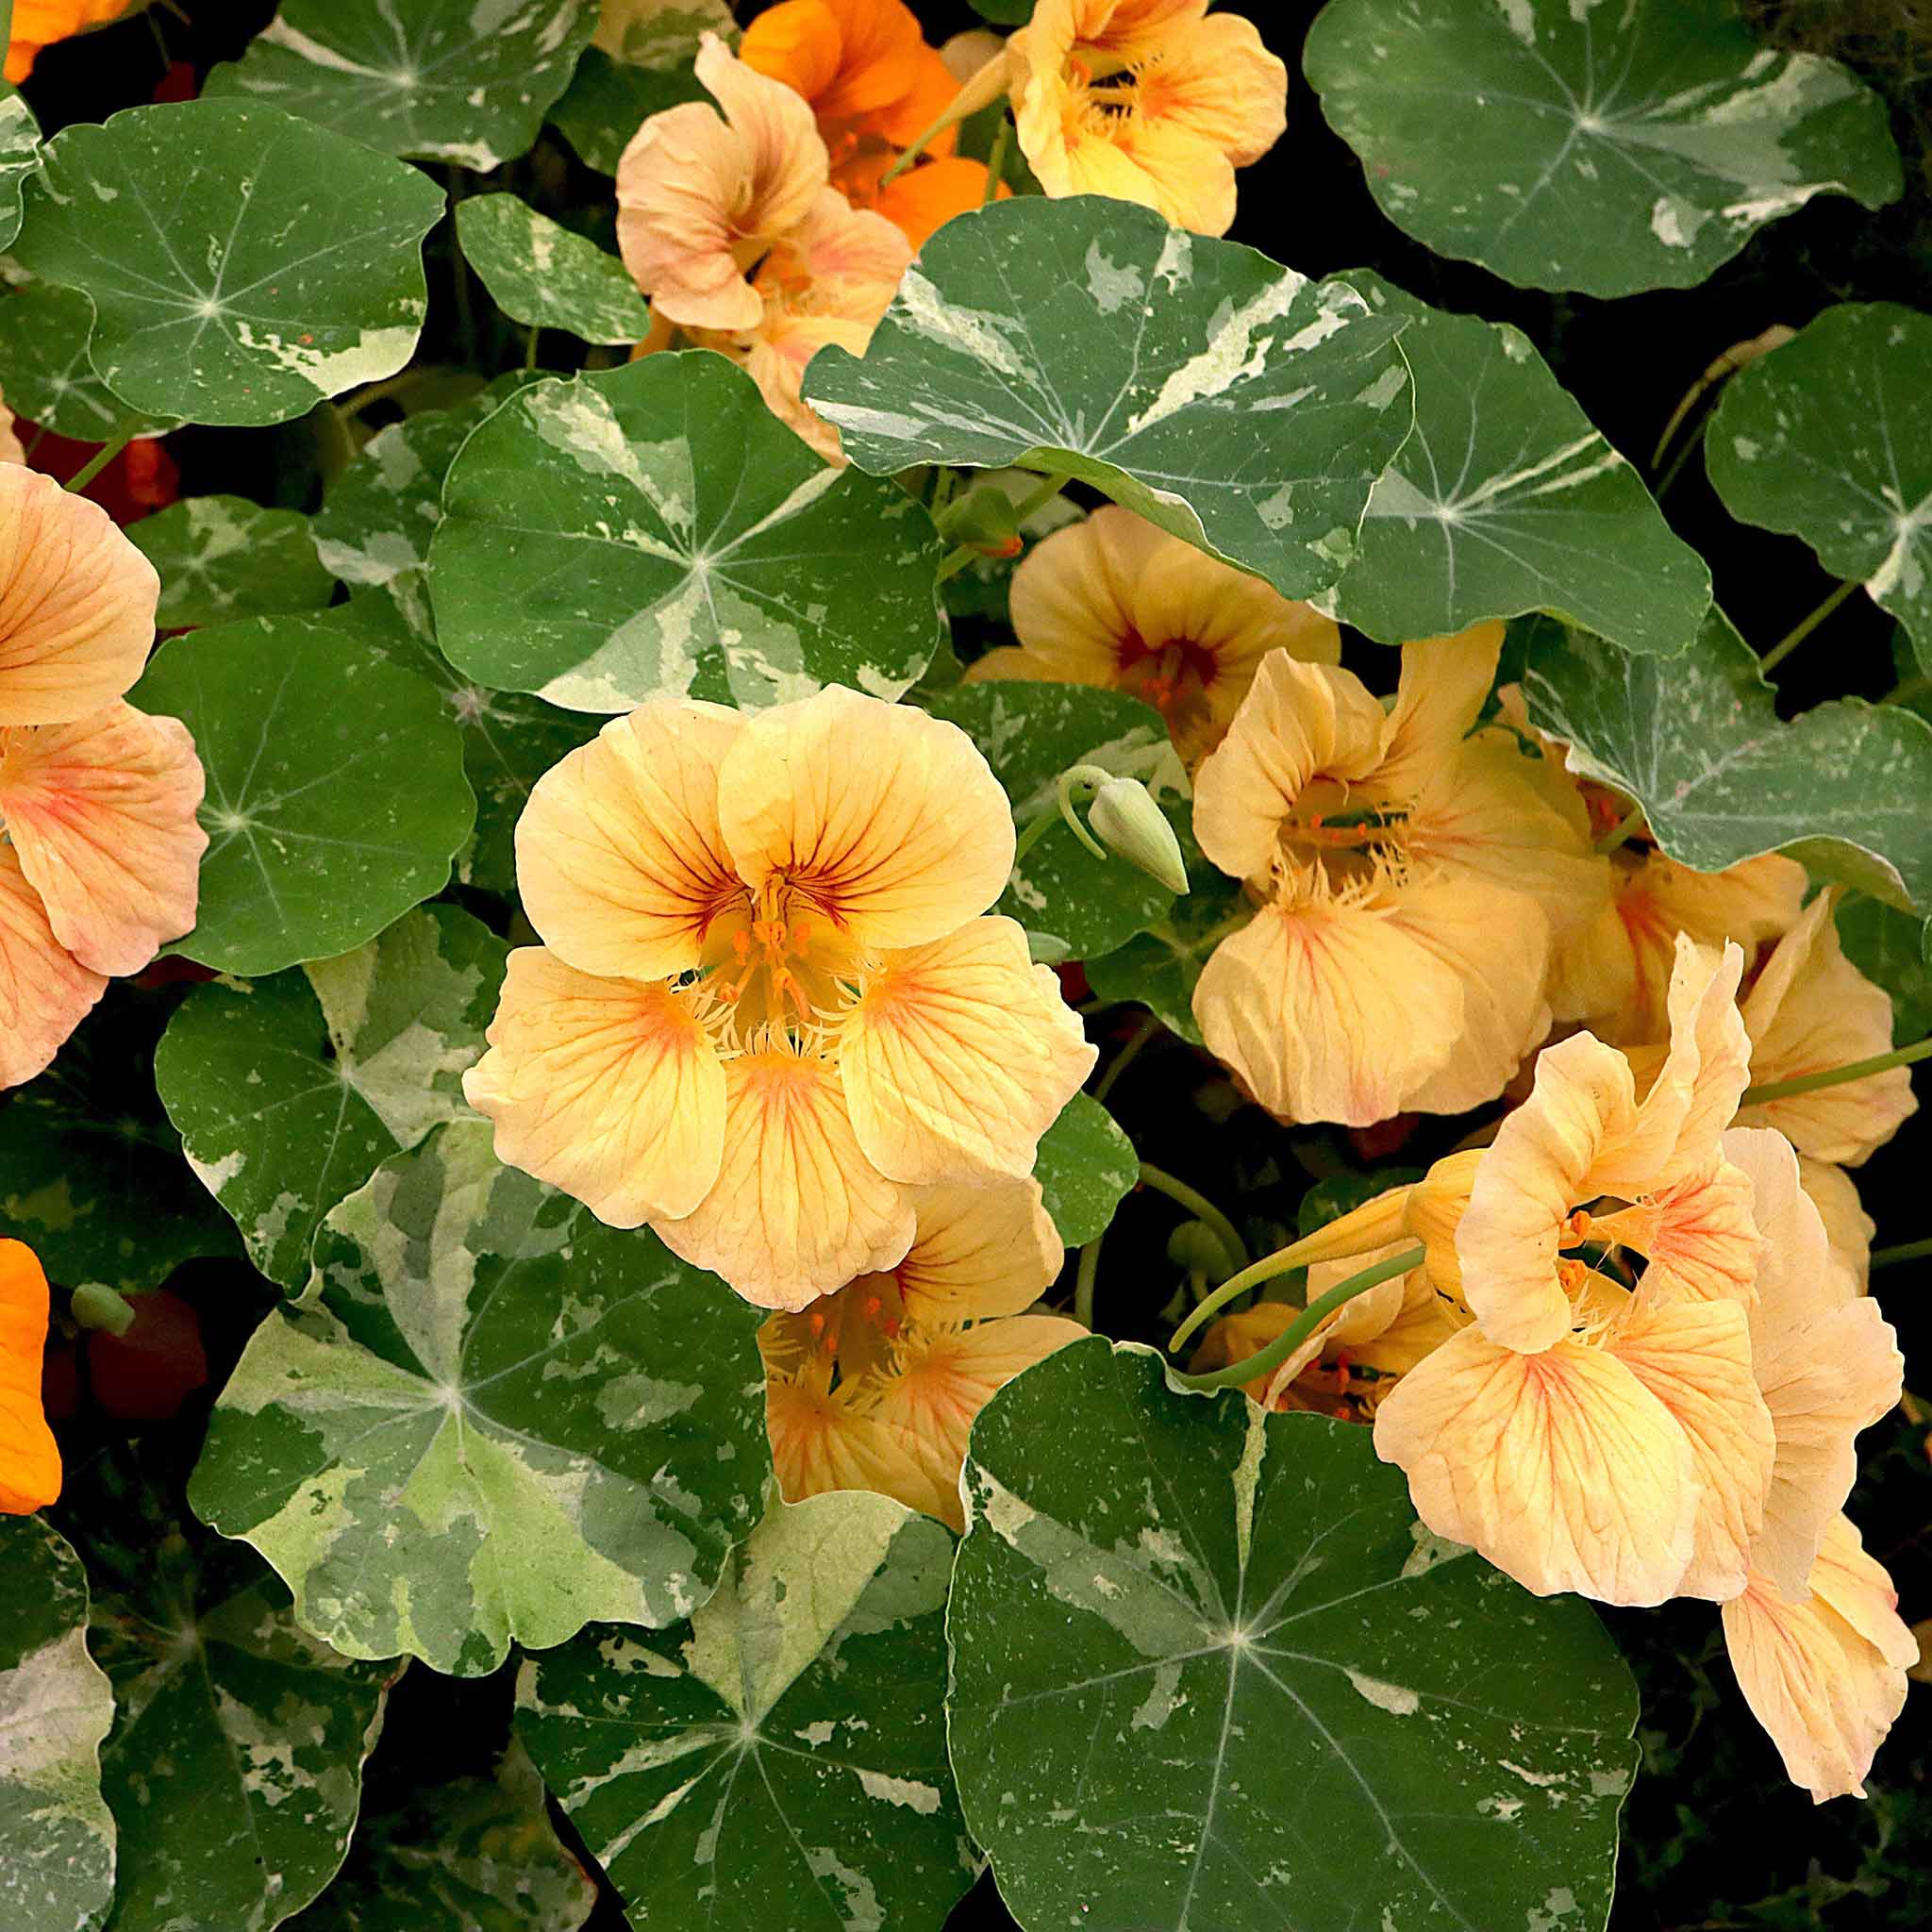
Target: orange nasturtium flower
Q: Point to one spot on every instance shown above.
(29, 1460)
(38, 24)
(767, 1010)
(876, 1386)
(1408, 872)
(1115, 602)
(99, 865)
(1153, 101)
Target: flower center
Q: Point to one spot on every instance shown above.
(1174, 674)
(778, 972)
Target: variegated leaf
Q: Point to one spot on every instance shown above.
(20, 155)
(222, 556)
(541, 274)
(1085, 1168)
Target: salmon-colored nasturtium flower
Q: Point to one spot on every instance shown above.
(1113, 601)
(767, 1010)
(1153, 101)
(38, 24)
(1407, 872)
(97, 801)
(29, 1460)
(876, 1386)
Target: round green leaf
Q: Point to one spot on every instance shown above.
(444, 81)
(541, 274)
(242, 264)
(1895, 949)
(1276, 1698)
(496, 1419)
(222, 556)
(663, 34)
(289, 1091)
(56, 1706)
(1229, 400)
(1159, 970)
(1697, 741)
(1508, 500)
(235, 1765)
(1085, 1168)
(784, 1751)
(1030, 734)
(1830, 439)
(654, 531)
(335, 789)
(50, 382)
(1568, 145)
(608, 100)
(20, 155)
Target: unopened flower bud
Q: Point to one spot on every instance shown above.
(95, 1306)
(1195, 1246)
(983, 520)
(1128, 822)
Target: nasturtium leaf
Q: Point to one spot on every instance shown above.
(470, 1854)
(541, 274)
(222, 556)
(56, 1706)
(49, 380)
(242, 264)
(1160, 968)
(662, 33)
(1697, 741)
(784, 1752)
(288, 1092)
(1225, 398)
(1219, 1676)
(1830, 439)
(1086, 1166)
(1030, 734)
(1567, 144)
(442, 80)
(92, 1175)
(1508, 500)
(654, 531)
(1895, 949)
(20, 155)
(336, 796)
(608, 100)
(494, 1419)
(235, 1765)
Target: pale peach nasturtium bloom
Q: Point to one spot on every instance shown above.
(1639, 1443)
(1407, 872)
(767, 1008)
(1115, 602)
(876, 1386)
(100, 858)
(1153, 101)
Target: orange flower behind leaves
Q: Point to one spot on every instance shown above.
(29, 1460)
(38, 24)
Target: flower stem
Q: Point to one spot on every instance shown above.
(1303, 1324)
(1083, 1282)
(1031, 833)
(1837, 1076)
(1906, 1250)
(1145, 1031)
(981, 90)
(1199, 1206)
(1804, 627)
(97, 462)
(1621, 830)
(996, 161)
(1035, 500)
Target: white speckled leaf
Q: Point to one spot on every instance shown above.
(242, 264)
(235, 1765)
(1227, 399)
(445, 80)
(1830, 439)
(1506, 499)
(290, 1091)
(20, 155)
(56, 1706)
(662, 33)
(1603, 146)
(48, 378)
(1085, 1168)
(1697, 741)
(336, 796)
(223, 557)
(1030, 734)
(1279, 1700)
(654, 531)
(784, 1752)
(494, 1419)
(473, 1854)
(1160, 968)
(640, 63)
(1895, 949)
(541, 274)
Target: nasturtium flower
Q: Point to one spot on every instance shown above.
(767, 1008)
(102, 848)
(1114, 602)
(1407, 872)
(1153, 101)
(875, 1387)
(38, 24)
(29, 1460)
(1848, 1229)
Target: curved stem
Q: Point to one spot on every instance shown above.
(1803, 628)
(97, 462)
(1837, 1076)
(1088, 777)
(1305, 1324)
(1199, 1206)
(1031, 833)
(1148, 1027)
(1906, 1250)
(1083, 1282)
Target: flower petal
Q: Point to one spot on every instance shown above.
(821, 1442)
(1848, 1229)
(45, 992)
(30, 1457)
(607, 1089)
(1070, 593)
(1706, 1241)
(76, 603)
(960, 1055)
(979, 1252)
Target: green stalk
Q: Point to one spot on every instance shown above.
(1837, 1076)
(1199, 1206)
(97, 462)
